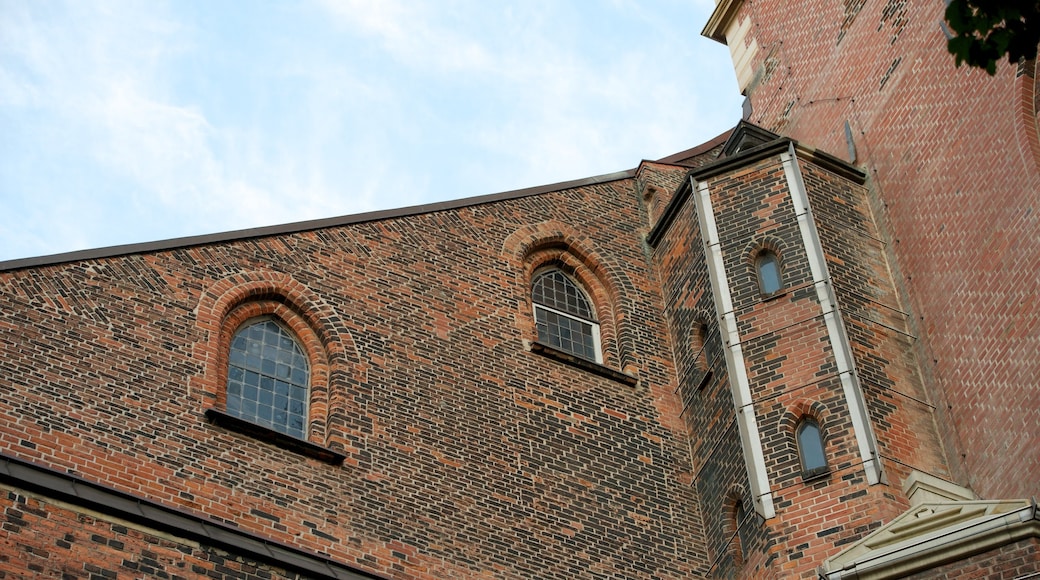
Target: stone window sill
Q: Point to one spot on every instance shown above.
(273, 437)
(815, 474)
(583, 364)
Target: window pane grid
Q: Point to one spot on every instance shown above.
(555, 290)
(565, 333)
(267, 378)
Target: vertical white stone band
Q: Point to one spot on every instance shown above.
(747, 424)
(836, 333)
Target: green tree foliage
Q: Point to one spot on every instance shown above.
(984, 31)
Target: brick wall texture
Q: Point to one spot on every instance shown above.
(47, 539)
(788, 356)
(467, 455)
(953, 159)
(471, 451)
(1014, 561)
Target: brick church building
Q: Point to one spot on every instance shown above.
(807, 348)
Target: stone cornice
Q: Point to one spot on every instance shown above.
(720, 19)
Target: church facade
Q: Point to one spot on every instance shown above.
(803, 349)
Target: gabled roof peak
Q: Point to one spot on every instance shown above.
(745, 136)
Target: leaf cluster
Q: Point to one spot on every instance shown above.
(984, 31)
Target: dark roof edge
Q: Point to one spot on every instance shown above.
(73, 489)
(669, 213)
(303, 226)
(817, 157)
(824, 160)
(698, 150)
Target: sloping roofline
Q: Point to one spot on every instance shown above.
(310, 225)
(304, 226)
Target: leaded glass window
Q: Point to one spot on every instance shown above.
(268, 378)
(564, 315)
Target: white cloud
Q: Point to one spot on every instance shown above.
(138, 121)
(410, 31)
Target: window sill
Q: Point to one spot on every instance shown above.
(815, 474)
(770, 297)
(268, 435)
(586, 365)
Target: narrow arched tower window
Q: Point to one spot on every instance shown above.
(738, 522)
(810, 447)
(564, 315)
(268, 377)
(770, 280)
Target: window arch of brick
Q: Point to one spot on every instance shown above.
(765, 259)
(800, 416)
(538, 247)
(565, 317)
(337, 372)
(812, 449)
(705, 342)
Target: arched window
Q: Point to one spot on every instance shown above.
(810, 448)
(738, 522)
(564, 315)
(770, 280)
(268, 377)
(700, 343)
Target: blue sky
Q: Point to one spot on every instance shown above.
(132, 121)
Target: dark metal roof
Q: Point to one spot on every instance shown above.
(310, 225)
(745, 157)
(304, 226)
(678, 158)
(76, 490)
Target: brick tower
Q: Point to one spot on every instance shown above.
(808, 347)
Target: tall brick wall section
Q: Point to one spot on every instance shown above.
(952, 156)
(466, 455)
(787, 353)
(718, 467)
(880, 334)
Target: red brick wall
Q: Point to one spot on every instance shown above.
(466, 454)
(787, 353)
(952, 157)
(47, 539)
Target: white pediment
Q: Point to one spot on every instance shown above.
(932, 533)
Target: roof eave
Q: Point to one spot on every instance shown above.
(725, 11)
(303, 226)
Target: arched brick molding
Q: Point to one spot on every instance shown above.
(764, 244)
(704, 339)
(336, 368)
(771, 245)
(545, 244)
(797, 412)
(1027, 129)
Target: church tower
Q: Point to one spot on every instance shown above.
(806, 403)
